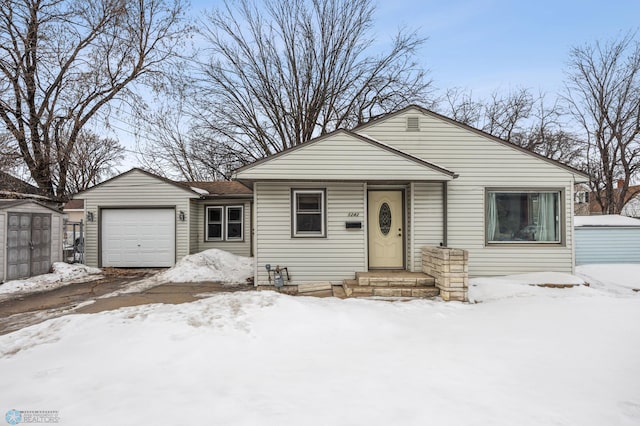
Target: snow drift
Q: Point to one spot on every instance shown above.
(210, 265)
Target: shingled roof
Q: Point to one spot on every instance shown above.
(221, 188)
(12, 187)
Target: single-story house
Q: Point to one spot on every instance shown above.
(30, 238)
(607, 239)
(138, 219)
(372, 197)
(351, 201)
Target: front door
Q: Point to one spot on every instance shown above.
(386, 230)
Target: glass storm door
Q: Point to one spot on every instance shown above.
(386, 231)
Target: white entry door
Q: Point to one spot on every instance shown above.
(138, 238)
(386, 230)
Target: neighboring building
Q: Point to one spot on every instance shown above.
(74, 210)
(581, 200)
(372, 198)
(12, 188)
(138, 219)
(607, 239)
(585, 202)
(30, 238)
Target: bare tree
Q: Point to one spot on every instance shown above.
(519, 117)
(62, 61)
(284, 71)
(93, 160)
(462, 107)
(176, 149)
(9, 154)
(603, 94)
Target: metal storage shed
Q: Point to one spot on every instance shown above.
(607, 239)
(30, 238)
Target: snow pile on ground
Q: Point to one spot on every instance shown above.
(618, 277)
(521, 285)
(210, 265)
(269, 359)
(63, 274)
(605, 220)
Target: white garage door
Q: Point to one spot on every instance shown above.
(138, 237)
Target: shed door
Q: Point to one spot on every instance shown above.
(40, 243)
(28, 245)
(138, 238)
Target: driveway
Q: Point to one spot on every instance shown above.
(88, 297)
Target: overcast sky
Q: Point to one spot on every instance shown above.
(487, 45)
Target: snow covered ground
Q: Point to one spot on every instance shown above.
(210, 265)
(63, 274)
(524, 355)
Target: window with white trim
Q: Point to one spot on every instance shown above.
(224, 223)
(308, 213)
(523, 216)
(234, 223)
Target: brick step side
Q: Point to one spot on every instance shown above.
(407, 279)
(352, 289)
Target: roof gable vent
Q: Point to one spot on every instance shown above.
(413, 124)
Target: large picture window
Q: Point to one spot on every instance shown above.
(308, 213)
(523, 217)
(224, 223)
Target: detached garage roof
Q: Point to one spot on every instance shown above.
(608, 220)
(213, 189)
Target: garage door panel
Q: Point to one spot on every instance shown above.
(138, 237)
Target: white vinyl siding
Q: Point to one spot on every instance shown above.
(136, 189)
(480, 162)
(427, 220)
(342, 157)
(195, 225)
(334, 258)
(605, 244)
(3, 244)
(240, 247)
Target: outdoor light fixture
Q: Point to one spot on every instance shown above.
(89, 216)
(181, 216)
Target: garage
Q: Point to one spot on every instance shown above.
(138, 237)
(607, 239)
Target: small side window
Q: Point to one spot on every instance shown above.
(308, 213)
(214, 224)
(234, 223)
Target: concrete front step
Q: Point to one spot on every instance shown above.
(394, 279)
(353, 289)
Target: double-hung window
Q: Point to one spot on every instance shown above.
(224, 223)
(308, 213)
(514, 216)
(234, 223)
